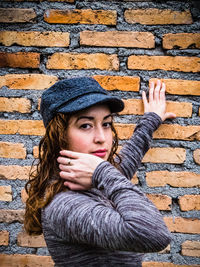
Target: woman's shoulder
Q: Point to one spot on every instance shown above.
(71, 198)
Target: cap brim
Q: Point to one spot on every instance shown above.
(115, 104)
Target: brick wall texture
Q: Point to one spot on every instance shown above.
(123, 45)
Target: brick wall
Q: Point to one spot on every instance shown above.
(122, 44)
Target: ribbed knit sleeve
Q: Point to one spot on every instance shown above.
(115, 214)
(131, 223)
(134, 150)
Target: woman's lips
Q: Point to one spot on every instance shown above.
(100, 153)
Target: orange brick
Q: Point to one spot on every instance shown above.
(155, 16)
(136, 107)
(173, 155)
(35, 152)
(21, 105)
(13, 15)
(183, 225)
(51, 39)
(189, 202)
(13, 172)
(25, 260)
(181, 87)
(24, 195)
(9, 216)
(135, 180)
(25, 240)
(117, 39)
(165, 131)
(123, 83)
(19, 60)
(23, 127)
(162, 202)
(72, 61)
(196, 156)
(81, 16)
(27, 81)
(163, 264)
(177, 132)
(12, 150)
(5, 193)
(191, 248)
(177, 63)
(4, 238)
(69, 1)
(181, 40)
(174, 179)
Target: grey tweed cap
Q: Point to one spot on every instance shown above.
(75, 94)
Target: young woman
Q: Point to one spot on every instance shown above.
(80, 196)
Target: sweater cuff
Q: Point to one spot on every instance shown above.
(153, 119)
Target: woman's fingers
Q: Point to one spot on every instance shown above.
(151, 92)
(70, 154)
(144, 99)
(157, 91)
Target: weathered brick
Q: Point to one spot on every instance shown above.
(181, 87)
(25, 240)
(69, 1)
(162, 202)
(35, 151)
(25, 260)
(135, 180)
(183, 225)
(123, 83)
(174, 179)
(181, 40)
(173, 155)
(196, 155)
(9, 216)
(51, 39)
(163, 264)
(27, 81)
(5, 193)
(136, 107)
(13, 15)
(19, 60)
(155, 16)
(72, 61)
(191, 248)
(13, 172)
(177, 63)
(178, 132)
(117, 39)
(23, 127)
(165, 131)
(21, 105)
(12, 150)
(189, 202)
(81, 16)
(4, 238)
(24, 195)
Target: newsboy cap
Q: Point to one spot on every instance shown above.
(75, 94)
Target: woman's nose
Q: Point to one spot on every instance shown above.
(99, 136)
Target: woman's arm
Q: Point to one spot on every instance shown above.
(134, 150)
(131, 223)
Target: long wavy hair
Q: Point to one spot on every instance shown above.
(44, 181)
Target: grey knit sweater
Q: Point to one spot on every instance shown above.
(112, 224)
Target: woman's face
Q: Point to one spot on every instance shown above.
(90, 132)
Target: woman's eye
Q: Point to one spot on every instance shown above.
(85, 126)
(107, 124)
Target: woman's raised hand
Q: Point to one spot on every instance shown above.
(77, 169)
(157, 101)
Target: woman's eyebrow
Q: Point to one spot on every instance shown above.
(92, 118)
